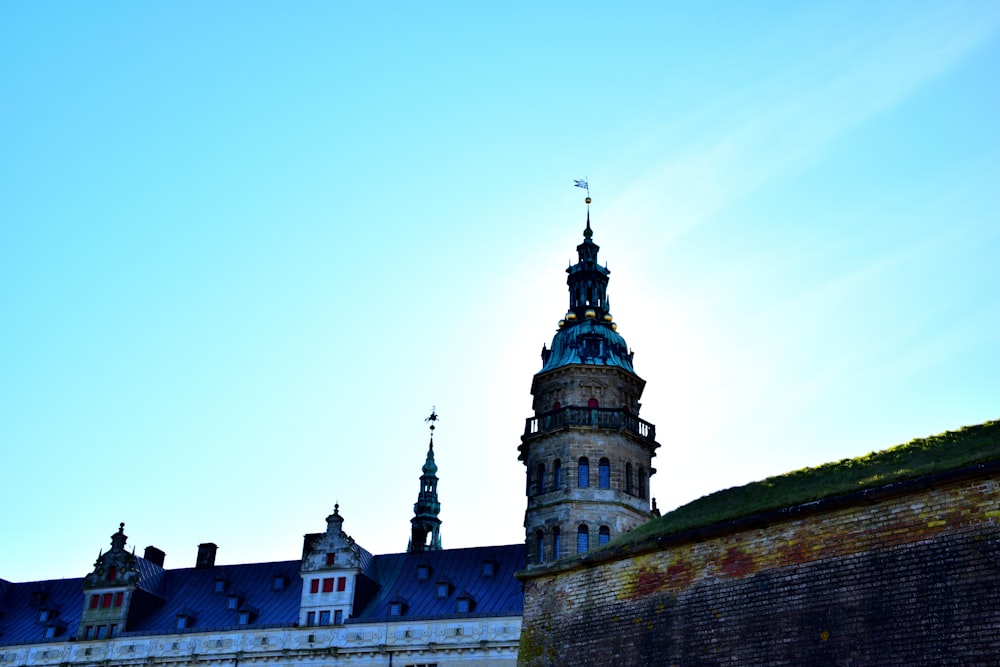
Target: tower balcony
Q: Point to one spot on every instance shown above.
(610, 418)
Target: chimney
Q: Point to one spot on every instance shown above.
(154, 555)
(206, 556)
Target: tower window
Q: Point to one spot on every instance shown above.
(582, 539)
(603, 536)
(539, 546)
(540, 478)
(583, 473)
(592, 402)
(556, 475)
(604, 474)
(641, 478)
(556, 543)
(628, 478)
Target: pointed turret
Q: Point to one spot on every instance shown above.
(425, 526)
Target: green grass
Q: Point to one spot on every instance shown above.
(939, 453)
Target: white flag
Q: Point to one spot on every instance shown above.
(581, 184)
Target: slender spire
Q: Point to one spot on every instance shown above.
(425, 526)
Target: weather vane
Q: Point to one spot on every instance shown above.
(586, 186)
(433, 418)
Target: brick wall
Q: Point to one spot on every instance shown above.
(903, 575)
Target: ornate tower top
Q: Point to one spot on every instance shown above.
(588, 333)
(425, 526)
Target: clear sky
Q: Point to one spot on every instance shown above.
(245, 247)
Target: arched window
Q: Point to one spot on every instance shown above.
(582, 539)
(628, 478)
(556, 543)
(556, 475)
(592, 402)
(112, 573)
(641, 478)
(583, 473)
(604, 474)
(539, 546)
(540, 478)
(603, 536)
(556, 406)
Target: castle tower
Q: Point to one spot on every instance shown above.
(425, 526)
(587, 455)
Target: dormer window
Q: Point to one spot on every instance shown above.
(50, 632)
(112, 573)
(489, 568)
(397, 606)
(44, 615)
(244, 618)
(220, 585)
(423, 572)
(443, 589)
(463, 605)
(278, 582)
(331, 559)
(186, 619)
(233, 602)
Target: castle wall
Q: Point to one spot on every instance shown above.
(906, 575)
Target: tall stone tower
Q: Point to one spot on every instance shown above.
(588, 455)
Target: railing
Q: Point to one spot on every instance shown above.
(615, 418)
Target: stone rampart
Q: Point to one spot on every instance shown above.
(905, 574)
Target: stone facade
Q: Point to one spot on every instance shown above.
(902, 575)
(483, 642)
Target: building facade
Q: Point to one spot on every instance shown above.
(338, 604)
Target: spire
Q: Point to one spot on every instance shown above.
(425, 526)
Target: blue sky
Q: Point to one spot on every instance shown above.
(247, 246)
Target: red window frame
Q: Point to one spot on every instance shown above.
(341, 584)
(119, 597)
(314, 586)
(328, 585)
(95, 600)
(331, 558)
(105, 600)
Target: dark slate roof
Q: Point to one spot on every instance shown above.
(498, 595)
(191, 591)
(19, 610)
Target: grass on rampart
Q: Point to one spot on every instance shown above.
(925, 456)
